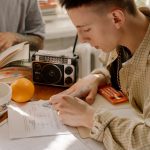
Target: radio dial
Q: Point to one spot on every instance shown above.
(68, 70)
(37, 67)
(68, 80)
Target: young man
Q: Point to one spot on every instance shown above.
(20, 20)
(109, 25)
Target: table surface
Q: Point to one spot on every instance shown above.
(42, 92)
(45, 92)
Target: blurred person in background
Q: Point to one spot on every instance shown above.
(21, 20)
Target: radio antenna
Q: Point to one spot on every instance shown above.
(74, 45)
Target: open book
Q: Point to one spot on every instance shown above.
(15, 53)
(14, 63)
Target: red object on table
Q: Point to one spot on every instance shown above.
(112, 95)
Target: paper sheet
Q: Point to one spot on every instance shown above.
(58, 142)
(33, 119)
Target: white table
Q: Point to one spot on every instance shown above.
(59, 142)
(46, 143)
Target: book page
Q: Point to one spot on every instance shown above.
(16, 52)
(33, 119)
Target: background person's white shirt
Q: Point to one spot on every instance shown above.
(21, 16)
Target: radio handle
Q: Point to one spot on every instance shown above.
(74, 45)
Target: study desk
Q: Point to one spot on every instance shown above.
(47, 142)
(56, 142)
(41, 92)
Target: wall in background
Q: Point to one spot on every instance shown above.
(143, 2)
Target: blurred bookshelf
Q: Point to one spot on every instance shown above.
(51, 10)
(46, 4)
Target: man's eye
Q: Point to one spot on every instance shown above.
(87, 30)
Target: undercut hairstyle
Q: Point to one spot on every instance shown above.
(128, 5)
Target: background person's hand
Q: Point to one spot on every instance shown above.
(7, 39)
(73, 111)
(85, 88)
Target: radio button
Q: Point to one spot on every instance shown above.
(37, 67)
(68, 80)
(37, 78)
(68, 70)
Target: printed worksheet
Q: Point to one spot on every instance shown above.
(36, 118)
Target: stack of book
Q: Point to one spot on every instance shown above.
(48, 7)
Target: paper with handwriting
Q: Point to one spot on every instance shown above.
(34, 119)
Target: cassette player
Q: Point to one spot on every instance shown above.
(51, 69)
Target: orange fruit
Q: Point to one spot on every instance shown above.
(22, 90)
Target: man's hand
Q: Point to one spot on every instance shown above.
(73, 111)
(7, 39)
(86, 88)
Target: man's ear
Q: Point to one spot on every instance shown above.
(118, 18)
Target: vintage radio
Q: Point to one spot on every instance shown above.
(55, 70)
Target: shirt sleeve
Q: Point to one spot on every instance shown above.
(122, 133)
(34, 22)
(104, 71)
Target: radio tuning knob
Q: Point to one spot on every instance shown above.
(37, 67)
(68, 80)
(68, 70)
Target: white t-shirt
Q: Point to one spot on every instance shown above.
(21, 16)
